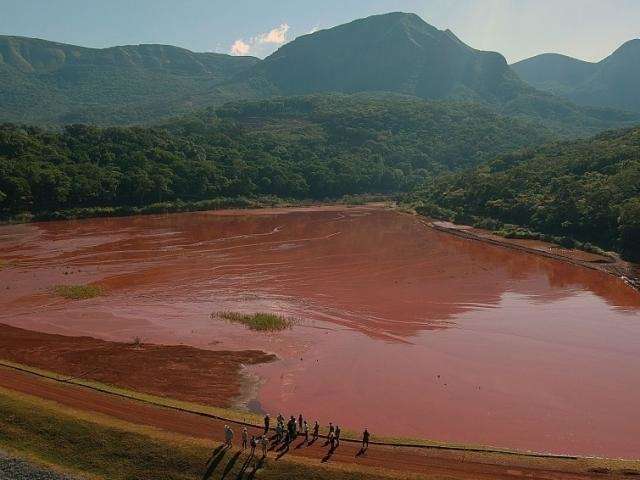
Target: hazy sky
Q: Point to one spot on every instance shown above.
(586, 29)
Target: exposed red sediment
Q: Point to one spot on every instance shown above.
(436, 463)
(185, 373)
(404, 329)
(610, 263)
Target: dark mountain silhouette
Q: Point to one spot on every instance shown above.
(396, 52)
(612, 82)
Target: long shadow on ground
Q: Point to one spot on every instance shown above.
(230, 464)
(216, 457)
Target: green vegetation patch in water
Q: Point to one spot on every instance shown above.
(78, 292)
(262, 322)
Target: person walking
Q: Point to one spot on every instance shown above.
(300, 419)
(316, 430)
(265, 445)
(279, 433)
(253, 444)
(332, 439)
(280, 418)
(365, 440)
(291, 428)
(337, 436)
(245, 438)
(228, 436)
(267, 422)
(305, 431)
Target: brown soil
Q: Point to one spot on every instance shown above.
(454, 465)
(180, 372)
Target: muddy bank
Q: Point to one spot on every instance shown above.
(208, 377)
(611, 263)
(433, 463)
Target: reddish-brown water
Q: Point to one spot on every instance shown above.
(404, 330)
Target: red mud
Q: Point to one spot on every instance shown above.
(403, 329)
(433, 463)
(180, 372)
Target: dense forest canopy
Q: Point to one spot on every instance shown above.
(305, 147)
(419, 112)
(588, 190)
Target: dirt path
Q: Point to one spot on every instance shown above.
(451, 464)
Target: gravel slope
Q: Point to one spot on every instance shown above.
(12, 468)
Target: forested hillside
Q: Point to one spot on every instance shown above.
(49, 83)
(401, 53)
(587, 190)
(52, 84)
(302, 147)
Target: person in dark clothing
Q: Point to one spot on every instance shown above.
(332, 440)
(365, 439)
(291, 429)
(332, 429)
(300, 422)
(253, 444)
(337, 436)
(316, 430)
(267, 421)
(294, 429)
(245, 436)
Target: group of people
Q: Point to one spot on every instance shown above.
(261, 440)
(285, 433)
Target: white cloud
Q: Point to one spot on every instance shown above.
(240, 48)
(277, 35)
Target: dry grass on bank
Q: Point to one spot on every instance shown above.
(95, 445)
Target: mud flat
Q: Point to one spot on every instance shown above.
(180, 372)
(610, 263)
(409, 331)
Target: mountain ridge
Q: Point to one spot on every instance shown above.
(50, 83)
(611, 82)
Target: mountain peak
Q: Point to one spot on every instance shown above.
(632, 47)
(392, 52)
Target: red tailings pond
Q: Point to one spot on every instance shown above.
(404, 330)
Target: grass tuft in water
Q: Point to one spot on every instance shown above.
(263, 322)
(78, 292)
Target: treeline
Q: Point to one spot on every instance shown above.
(586, 190)
(315, 147)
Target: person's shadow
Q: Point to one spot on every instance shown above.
(232, 461)
(283, 451)
(328, 456)
(213, 462)
(256, 467)
(361, 452)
